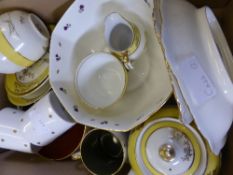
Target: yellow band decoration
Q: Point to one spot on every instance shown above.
(7, 50)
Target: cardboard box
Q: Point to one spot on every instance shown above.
(50, 11)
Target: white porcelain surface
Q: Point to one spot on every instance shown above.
(198, 65)
(163, 136)
(19, 28)
(45, 121)
(11, 136)
(71, 43)
(131, 172)
(121, 39)
(7, 66)
(101, 80)
(185, 116)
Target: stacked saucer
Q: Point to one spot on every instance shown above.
(28, 86)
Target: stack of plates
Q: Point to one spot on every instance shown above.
(28, 86)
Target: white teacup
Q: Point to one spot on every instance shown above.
(100, 80)
(125, 39)
(24, 39)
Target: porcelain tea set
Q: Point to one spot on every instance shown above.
(112, 65)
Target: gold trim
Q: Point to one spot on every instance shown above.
(123, 91)
(123, 55)
(14, 56)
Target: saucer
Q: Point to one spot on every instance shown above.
(25, 81)
(202, 64)
(28, 86)
(32, 96)
(71, 43)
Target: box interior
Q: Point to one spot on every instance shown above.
(50, 11)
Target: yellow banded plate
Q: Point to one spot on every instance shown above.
(28, 79)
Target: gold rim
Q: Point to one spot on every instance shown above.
(122, 145)
(123, 91)
(14, 56)
(179, 127)
(123, 56)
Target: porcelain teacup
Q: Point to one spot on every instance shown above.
(104, 152)
(100, 80)
(18, 50)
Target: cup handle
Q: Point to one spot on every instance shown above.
(127, 62)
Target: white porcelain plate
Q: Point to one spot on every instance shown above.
(202, 63)
(79, 33)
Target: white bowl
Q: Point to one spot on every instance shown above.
(71, 43)
(18, 50)
(202, 63)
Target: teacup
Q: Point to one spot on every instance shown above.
(18, 50)
(45, 121)
(104, 152)
(100, 80)
(11, 135)
(125, 39)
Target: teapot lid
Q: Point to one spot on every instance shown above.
(168, 147)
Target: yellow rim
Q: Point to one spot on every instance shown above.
(184, 130)
(21, 102)
(16, 88)
(7, 50)
(214, 162)
(165, 112)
